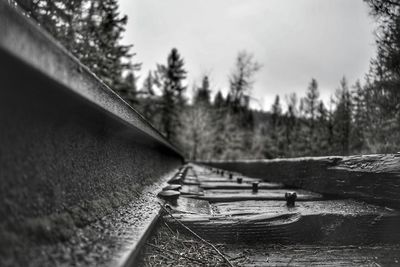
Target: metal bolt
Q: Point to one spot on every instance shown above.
(255, 187)
(290, 198)
(230, 176)
(239, 180)
(169, 195)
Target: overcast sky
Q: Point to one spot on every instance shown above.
(293, 40)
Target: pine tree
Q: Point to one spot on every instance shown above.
(330, 127)
(148, 100)
(91, 30)
(128, 89)
(275, 143)
(62, 19)
(342, 118)
(218, 116)
(172, 76)
(386, 66)
(276, 112)
(228, 101)
(202, 94)
(384, 79)
(321, 129)
(290, 124)
(357, 138)
(310, 108)
(218, 100)
(383, 128)
(311, 100)
(109, 58)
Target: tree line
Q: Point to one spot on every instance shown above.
(358, 118)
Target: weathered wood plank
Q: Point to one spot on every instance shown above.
(373, 178)
(224, 195)
(226, 180)
(232, 185)
(191, 189)
(339, 207)
(314, 255)
(189, 205)
(327, 232)
(326, 222)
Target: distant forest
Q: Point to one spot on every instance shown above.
(359, 118)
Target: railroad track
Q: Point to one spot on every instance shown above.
(81, 170)
(262, 227)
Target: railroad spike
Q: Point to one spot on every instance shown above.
(255, 187)
(290, 198)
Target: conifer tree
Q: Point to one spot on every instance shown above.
(330, 127)
(311, 102)
(218, 100)
(128, 89)
(321, 129)
(148, 100)
(62, 19)
(290, 122)
(92, 31)
(108, 58)
(148, 85)
(386, 66)
(202, 94)
(276, 112)
(384, 80)
(172, 76)
(342, 118)
(275, 143)
(219, 114)
(360, 121)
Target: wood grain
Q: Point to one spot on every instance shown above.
(372, 178)
(315, 255)
(314, 222)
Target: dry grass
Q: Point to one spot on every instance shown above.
(169, 247)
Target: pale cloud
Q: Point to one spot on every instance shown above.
(293, 40)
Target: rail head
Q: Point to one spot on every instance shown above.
(22, 38)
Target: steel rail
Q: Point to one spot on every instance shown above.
(67, 141)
